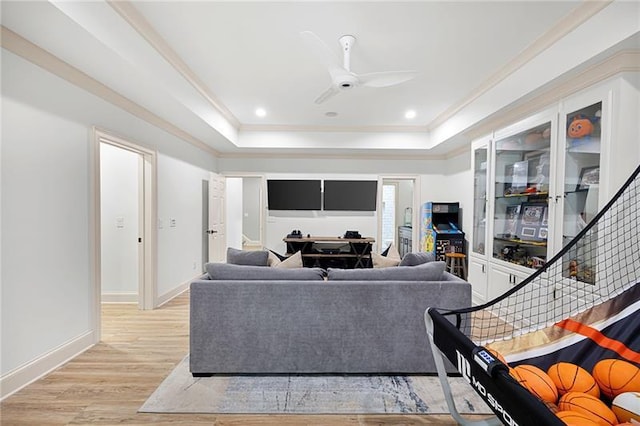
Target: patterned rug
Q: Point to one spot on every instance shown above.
(308, 394)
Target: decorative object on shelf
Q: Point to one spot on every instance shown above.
(542, 174)
(588, 176)
(520, 176)
(531, 215)
(580, 127)
(511, 223)
(573, 269)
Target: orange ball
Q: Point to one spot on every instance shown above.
(497, 355)
(536, 381)
(572, 378)
(573, 418)
(615, 376)
(588, 405)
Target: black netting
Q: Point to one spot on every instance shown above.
(601, 262)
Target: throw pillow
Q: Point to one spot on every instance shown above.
(432, 271)
(413, 259)
(293, 261)
(231, 272)
(380, 261)
(244, 257)
(392, 252)
(273, 260)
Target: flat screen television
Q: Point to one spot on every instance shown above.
(350, 195)
(294, 195)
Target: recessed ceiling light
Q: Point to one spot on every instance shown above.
(410, 114)
(331, 114)
(260, 112)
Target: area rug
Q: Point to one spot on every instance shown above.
(308, 394)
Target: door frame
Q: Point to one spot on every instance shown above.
(147, 298)
(415, 230)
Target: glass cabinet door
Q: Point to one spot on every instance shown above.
(521, 194)
(480, 200)
(581, 184)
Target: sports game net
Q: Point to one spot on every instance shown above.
(600, 263)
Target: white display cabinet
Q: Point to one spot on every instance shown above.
(545, 177)
(522, 185)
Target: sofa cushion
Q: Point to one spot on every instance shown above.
(230, 272)
(432, 271)
(245, 257)
(413, 259)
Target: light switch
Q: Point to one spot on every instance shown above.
(172, 223)
(119, 222)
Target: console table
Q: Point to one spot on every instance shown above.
(336, 252)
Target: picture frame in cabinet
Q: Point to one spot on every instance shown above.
(531, 217)
(588, 176)
(512, 214)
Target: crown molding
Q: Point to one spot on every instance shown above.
(134, 18)
(623, 61)
(346, 156)
(47, 61)
(576, 17)
(331, 129)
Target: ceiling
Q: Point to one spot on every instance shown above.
(204, 67)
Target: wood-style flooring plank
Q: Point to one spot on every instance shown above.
(108, 383)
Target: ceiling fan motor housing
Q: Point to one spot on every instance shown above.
(346, 82)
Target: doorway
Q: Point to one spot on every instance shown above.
(124, 212)
(245, 212)
(120, 223)
(397, 213)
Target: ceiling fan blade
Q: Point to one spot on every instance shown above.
(386, 79)
(320, 49)
(329, 93)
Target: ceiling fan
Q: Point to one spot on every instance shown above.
(341, 75)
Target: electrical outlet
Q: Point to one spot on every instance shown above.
(172, 223)
(195, 265)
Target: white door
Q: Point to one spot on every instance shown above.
(216, 231)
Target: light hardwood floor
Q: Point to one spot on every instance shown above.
(108, 383)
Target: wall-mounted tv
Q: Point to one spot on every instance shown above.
(294, 195)
(350, 195)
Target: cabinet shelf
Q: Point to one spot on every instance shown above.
(526, 194)
(522, 242)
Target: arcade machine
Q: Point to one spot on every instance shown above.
(440, 230)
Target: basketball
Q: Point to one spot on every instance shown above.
(536, 381)
(626, 406)
(615, 376)
(572, 378)
(573, 418)
(588, 405)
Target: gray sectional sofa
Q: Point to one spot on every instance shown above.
(261, 320)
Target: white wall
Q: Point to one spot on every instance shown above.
(179, 223)
(119, 215)
(47, 279)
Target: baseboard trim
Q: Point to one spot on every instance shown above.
(22, 376)
(168, 296)
(122, 297)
